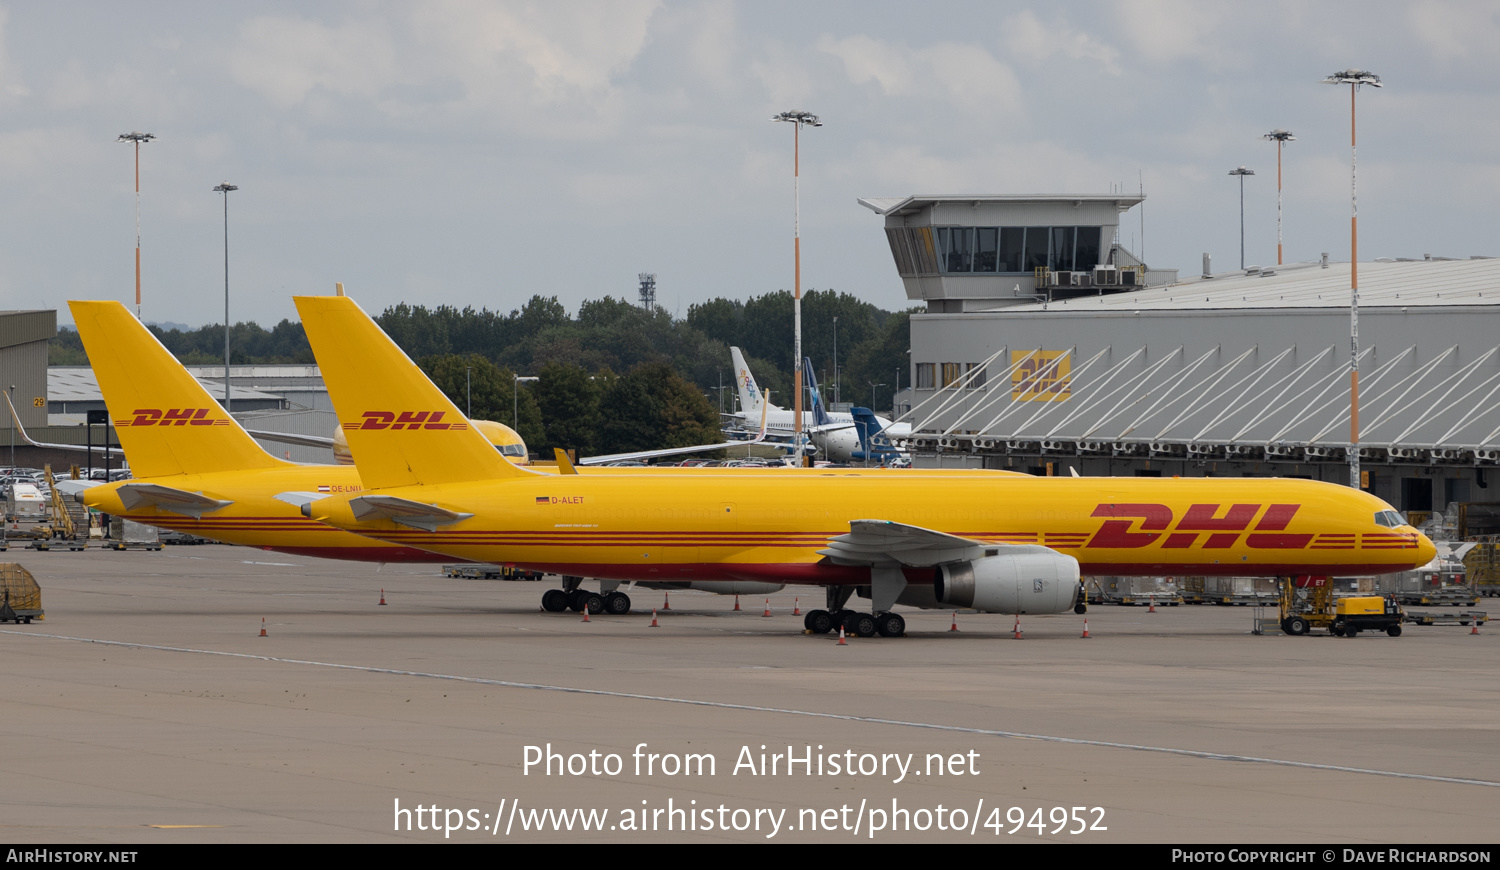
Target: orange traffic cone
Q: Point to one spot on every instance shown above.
(653, 618)
(736, 602)
(796, 608)
(1018, 627)
(842, 642)
(262, 626)
(1152, 608)
(585, 613)
(666, 601)
(954, 627)
(768, 608)
(1085, 627)
(1475, 629)
(382, 598)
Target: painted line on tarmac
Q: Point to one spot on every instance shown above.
(843, 717)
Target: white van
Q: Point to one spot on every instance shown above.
(24, 501)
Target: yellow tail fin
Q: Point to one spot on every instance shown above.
(167, 423)
(402, 430)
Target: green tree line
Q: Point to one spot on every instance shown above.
(613, 377)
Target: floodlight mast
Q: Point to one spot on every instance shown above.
(1353, 78)
(1280, 137)
(137, 138)
(224, 188)
(1242, 172)
(797, 118)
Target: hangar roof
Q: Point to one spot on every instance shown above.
(1383, 283)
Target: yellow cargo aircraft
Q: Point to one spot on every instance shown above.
(1013, 544)
(198, 472)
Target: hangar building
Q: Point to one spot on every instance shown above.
(1241, 374)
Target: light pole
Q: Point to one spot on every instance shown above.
(797, 118)
(469, 392)
(1280, 137)
(515, 400)
(136, 139)
(1353, 78)
(224, 188)
(1242, 172)
(836, 359)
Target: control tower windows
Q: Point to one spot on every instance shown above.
(1012, 247)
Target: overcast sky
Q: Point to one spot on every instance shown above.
(475, 153)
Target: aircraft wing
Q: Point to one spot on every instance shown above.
(290, 438)
(27, 439)
(877, 542)
(416, 514)
(679, 451)
(178, 501)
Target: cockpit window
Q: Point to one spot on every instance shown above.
(1389, 519)
(511, 449)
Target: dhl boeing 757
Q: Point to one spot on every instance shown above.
(197, 471)
(1008, 544)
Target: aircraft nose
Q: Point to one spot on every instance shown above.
(1426, 550)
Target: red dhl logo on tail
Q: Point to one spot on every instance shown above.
(403, 420)
(172, 417)
(1216, 527)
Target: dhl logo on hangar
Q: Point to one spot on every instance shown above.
(172, 417)
(403, 420)
(1202, 525)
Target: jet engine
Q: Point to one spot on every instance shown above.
(1011, 583)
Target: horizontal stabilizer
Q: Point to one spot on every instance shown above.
(291, 438)
(418, 515)
(178, 501)
(876, 542)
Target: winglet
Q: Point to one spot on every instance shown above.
(564, 464)
(27, 439)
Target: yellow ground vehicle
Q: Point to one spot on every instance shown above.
(1369, 613)
(1308, 603)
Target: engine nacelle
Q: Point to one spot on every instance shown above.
(1011, 583)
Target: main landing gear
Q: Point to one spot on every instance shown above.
(853, 622)
(573, 597)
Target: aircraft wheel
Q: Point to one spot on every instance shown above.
(890, 625)
(1080, 608)
(617, 603)
(862, 624)
(578, 599)
(554, 601)
(1394, 631)
(818, 622)
(1296, 625)
(595, 603)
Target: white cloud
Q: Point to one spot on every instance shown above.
(1026, 36)
(285, 59)
(1456, 32)
(1166, 31)
(11, 85)
(567, 49)
(961, 73)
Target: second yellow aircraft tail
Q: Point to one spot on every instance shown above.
(167, 423)
(401, 429)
